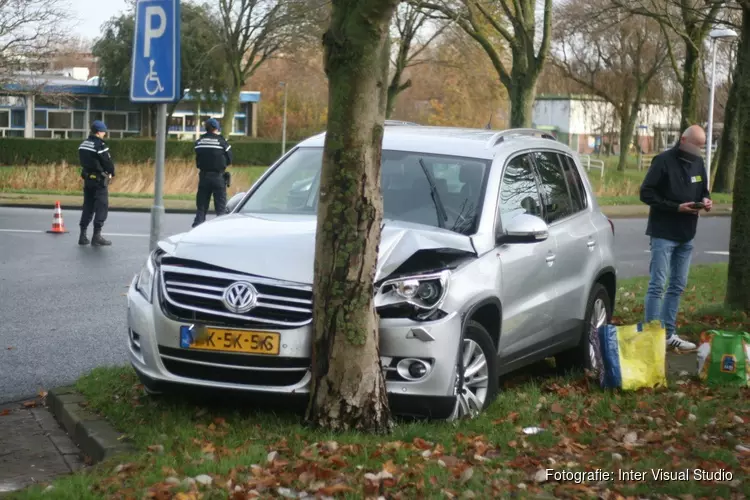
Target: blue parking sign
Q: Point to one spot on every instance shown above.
(155, 72)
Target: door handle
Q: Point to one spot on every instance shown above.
(551, 259)
(591, 244)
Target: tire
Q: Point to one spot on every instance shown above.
(586, 356)
(482, 385)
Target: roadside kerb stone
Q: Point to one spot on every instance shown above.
(96, 438)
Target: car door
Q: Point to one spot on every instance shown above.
(527, 269)
(575, 238)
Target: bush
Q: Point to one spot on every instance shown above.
(16, 151)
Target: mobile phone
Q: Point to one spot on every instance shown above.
(698, 205)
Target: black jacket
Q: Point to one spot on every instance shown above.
(93, 154)
(212, 153)
(673, 178)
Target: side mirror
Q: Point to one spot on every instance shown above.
(234, 201)
(524, 228)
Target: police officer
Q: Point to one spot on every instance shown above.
(212, 156)
(97, 169)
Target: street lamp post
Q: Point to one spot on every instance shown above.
(283, 125)
(715, 35)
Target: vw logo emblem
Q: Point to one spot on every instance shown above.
(240, 297)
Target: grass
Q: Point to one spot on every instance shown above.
(261, 450)
(181, 181)
(137, 181)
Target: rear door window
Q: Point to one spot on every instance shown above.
(558, 202)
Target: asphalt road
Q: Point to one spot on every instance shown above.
(62, 307)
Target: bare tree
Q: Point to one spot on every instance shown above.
(348, 387)
(615, 55)
(253, 31)
(408, 24)
(30, 33)
(500, 25)
(691, 21)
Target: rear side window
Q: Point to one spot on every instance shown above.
(558, 203)
(518, 190)
(575, 183)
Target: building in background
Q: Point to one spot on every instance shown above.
(590, 125)
(63, 103)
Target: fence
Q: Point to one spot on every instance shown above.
(590, 163)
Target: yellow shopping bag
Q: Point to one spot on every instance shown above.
(634, 356)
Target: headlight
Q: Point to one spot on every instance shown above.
(424, 293)
(145, 282)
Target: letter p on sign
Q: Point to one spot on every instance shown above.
(151, 30)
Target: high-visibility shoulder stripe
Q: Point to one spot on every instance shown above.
(103, 150)
(87, 149)
(228, 148)
(207, 146)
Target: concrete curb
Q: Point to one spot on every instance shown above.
(111, 208)
(96, 439)
(632, 212)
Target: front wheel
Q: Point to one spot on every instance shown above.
(586, 354)
(476, 383)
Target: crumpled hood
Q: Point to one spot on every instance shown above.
(283, 247)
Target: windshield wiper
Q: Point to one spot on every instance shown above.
(442, 214)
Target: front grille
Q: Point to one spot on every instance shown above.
(191, 291)
(234, 368)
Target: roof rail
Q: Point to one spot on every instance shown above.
(499, 137)
(399, 122)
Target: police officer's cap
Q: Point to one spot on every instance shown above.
(212, 124)
(98, 126)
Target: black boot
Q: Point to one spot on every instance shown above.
(83, 239)
(97, 239)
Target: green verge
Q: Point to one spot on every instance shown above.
(267, 451)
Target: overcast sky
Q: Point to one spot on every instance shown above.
(89, 15)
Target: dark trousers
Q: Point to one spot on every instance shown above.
(210, 184)
(95, 204)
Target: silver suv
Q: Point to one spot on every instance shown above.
(494, 255)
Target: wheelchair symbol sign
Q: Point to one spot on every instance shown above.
(155, 72)
(152, 85)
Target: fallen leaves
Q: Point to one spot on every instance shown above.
(4, 412)
(29, 404)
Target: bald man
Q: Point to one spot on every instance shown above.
(676, 189)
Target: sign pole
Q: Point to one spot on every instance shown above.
(157, 211)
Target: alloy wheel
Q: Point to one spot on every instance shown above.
(471, 387)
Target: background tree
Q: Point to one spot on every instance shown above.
(691, 21)
(252, 31)
(408, 24)
(500, 24)
(31, 31)
(201, 57)
(616, 55)
(738, 283)
(348, 387)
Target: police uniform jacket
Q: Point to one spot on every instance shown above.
(93, 154)
(212, 153)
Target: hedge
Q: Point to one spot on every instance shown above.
(17, 151)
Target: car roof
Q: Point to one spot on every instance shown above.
(455, 141)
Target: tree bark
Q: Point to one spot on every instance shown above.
(522, 94)
(627, 127)
(348, 387)
(230, 108)
(738, 282)
(690, 87)
(726, 158)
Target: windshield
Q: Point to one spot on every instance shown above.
(408, 194)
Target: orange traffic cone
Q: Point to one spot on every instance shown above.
(58, 226)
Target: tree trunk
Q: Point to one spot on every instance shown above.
(738, 282)
(627, 126)
(690, 87)
(726, 157)
(230, 108)
(522, 95)
(348, 387)
(394, 89)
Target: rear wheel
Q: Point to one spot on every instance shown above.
(476, 373)
(585, 355)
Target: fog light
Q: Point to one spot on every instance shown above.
(413, 369)
(417, 370)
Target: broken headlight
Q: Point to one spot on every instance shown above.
(422, 294)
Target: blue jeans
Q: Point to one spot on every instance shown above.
(668, 258)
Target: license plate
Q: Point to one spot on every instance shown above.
(220, 339)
